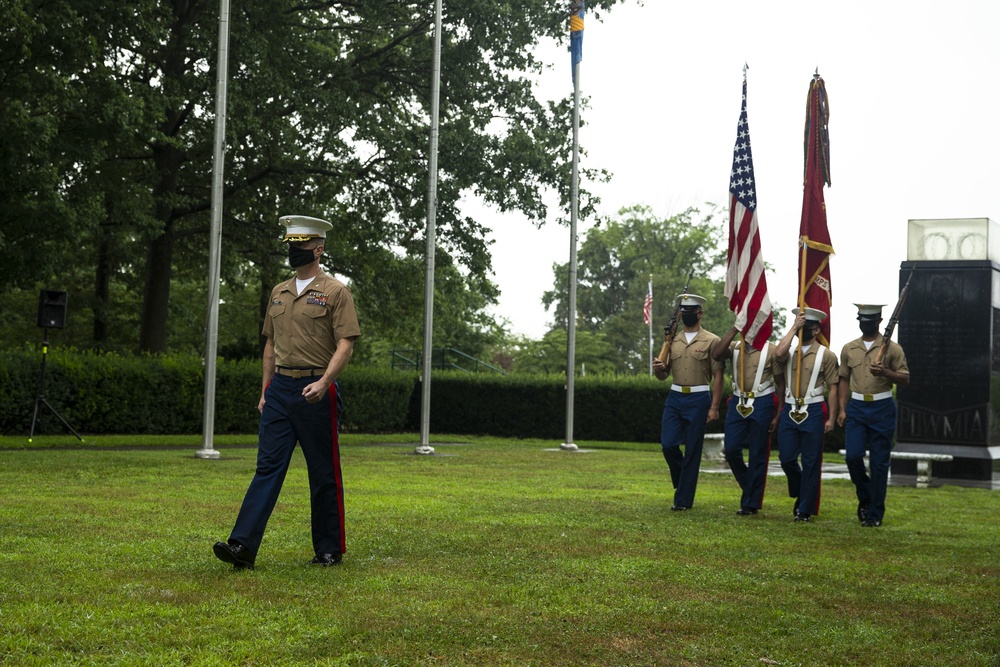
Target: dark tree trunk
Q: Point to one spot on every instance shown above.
(102, 287)
(156, 293)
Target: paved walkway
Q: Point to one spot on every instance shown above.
(830, 470)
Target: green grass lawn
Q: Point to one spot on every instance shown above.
(497, 553)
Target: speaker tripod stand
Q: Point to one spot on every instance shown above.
(40, 399)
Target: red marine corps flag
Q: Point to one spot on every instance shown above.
(746, 285)
(814, 237)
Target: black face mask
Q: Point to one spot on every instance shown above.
(689, 319)
(808, 333)
(868, 328)
(298, 256)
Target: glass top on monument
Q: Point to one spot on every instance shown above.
(953, 239)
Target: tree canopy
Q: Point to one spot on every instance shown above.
(107, 114)
(615, 264)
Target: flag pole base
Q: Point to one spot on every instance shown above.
(568, 447)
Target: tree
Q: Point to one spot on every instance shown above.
(614, 266)
(549, 355)
(328, 115)
(397, 320)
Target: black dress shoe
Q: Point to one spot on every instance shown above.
(746, 511)
(235, 553)
(795, 507)
(862, 512)
(802, 517)
(678, 508)
(326, 560)
(871, 523)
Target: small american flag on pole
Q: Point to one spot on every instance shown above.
(746, 284)
(647, 307)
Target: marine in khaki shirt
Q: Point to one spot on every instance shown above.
(860, 374)
(307, 327)
(691, 362)
(868, 411)
(804, 418)
(751, 415)
(745, 371)
(310, 328)
(689, 406)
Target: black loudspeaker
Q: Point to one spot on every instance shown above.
(52, 309)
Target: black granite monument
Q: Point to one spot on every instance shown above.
(950, 330)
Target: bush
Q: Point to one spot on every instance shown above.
(110, 393)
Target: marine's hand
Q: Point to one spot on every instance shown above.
(713, 414)
(841, 418)
(828, 426)
(878, 370)
(260, 404)
(315, 392)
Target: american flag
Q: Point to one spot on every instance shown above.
(647, 307)
(746, 284)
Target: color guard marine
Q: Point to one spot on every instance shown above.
(869, 367)
(693, 400)
(752, 414)
(810, 370)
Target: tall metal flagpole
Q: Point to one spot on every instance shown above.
(425, 383)
(650, 323)
(576, 46)
(207, 450)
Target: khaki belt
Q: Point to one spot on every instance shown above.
(689, 389)
(871, 397)
(300, 372)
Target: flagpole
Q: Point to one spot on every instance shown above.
(207, 450)
(425, 382)
(574, 209)
(650, 325)
(574, 196)
(802, 306)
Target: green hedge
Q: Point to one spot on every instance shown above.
(165, 394)
(112, 394)
(624, 409)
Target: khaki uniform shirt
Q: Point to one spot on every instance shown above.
(305, 328)
(771, 367)
(691, 363)
(855, 361)
(828, 371)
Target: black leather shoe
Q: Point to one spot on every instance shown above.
(862, 512)
(678, 508)
(802, 517)
(795, 507)
(235, 553)
(871, 523)
(746, 511)
(326, 560)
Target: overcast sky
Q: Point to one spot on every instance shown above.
(914, 96)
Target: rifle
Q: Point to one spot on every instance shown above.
(671, 328)
(894, 319)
